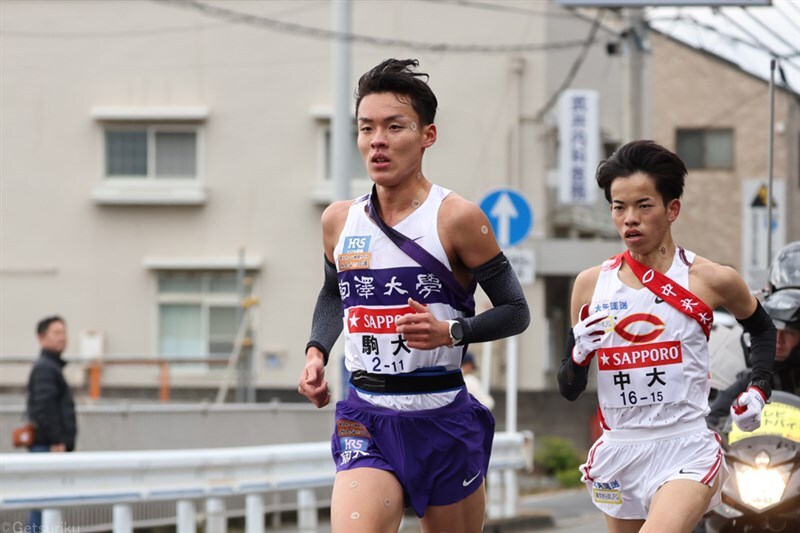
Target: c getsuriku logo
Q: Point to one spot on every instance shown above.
(630, 322)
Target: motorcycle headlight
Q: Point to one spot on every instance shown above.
(761, 486)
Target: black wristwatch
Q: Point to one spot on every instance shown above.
(763, 385)
(456, 332)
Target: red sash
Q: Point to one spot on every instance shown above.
(673, 293)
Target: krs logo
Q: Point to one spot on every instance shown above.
(356, 243)
(354, 444)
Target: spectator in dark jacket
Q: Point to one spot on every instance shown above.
(50, 404)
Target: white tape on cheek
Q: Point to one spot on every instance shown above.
(484, 230)
(413, 126)
(355, 516)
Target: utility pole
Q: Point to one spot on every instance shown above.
(242, 362)
(633, 67)
(770, 157)
(341, 122)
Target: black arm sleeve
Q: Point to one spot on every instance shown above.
(572, 379)
(326, 325)
(509, 314)
(762, 347)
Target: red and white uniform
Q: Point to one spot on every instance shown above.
(653, 383)
(653, 362)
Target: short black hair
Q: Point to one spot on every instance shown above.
(395, 76)
(663, 166)
(44, 324)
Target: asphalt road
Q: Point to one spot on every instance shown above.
(572, 511)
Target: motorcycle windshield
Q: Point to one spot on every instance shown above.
(780, 417)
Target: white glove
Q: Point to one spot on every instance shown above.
(746, 409)
(588, 333)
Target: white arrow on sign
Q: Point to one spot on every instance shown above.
(503, 210)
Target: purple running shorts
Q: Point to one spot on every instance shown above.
(439, 456)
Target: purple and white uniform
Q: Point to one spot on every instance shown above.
(438, 443)
(376, 279)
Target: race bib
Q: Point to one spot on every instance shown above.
(382, 349)
(643, 374)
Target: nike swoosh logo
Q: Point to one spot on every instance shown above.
(418, 238)
(690, 473)
(659, 300)
(466, 483)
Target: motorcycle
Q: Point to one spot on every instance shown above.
(763, 490)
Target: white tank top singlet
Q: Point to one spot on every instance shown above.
(376, 279)
(653, 362)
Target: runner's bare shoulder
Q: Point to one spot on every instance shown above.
(583, 289)
(715, 276)
(333, 219)
(721, 285)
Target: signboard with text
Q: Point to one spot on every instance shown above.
(756, 228)
(579, 144)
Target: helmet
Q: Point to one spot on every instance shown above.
(785, 269)
(784, 308)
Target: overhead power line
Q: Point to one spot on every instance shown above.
(762, 44)
(503, 8)
(237, 17)
(110, 34)
(573, 70)
(792, 46)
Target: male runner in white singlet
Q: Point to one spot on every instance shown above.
(644, 316)
(401, 266)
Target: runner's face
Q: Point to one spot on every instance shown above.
(391, 138)
(640, 216)
(787, 340)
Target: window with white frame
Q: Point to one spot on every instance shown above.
(705, 148)
(150, 155)
(151, 152)
(197, 313)
(323, 189)
(357, 168)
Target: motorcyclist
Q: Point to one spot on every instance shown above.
(783, 306)
(785, 270)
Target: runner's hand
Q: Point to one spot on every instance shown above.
(746, 409)
(421, 329)
(312, 381)
(588, 333)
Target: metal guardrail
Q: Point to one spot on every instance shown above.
(54, 482)
(136, 426)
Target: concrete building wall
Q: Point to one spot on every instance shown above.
(65, 63)
(692, 89)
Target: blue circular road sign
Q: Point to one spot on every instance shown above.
(510, 214)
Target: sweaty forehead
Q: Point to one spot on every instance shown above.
(382, 106)
(635, 186)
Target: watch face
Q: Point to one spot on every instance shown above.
(456, 331)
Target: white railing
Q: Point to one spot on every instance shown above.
(53, 482)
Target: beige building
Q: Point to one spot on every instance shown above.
(716, 116)
(144, 144)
